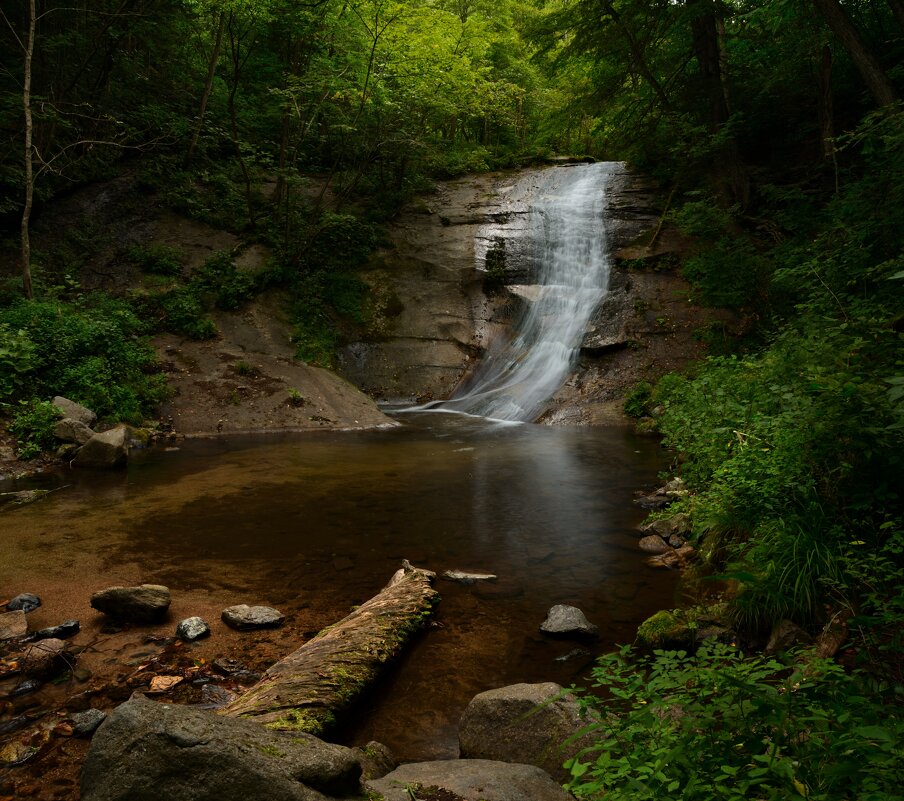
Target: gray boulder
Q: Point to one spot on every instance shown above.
(147, 603)
(110, 449)
(84, 724)
(524, 723)
(192, 628)
(665, 527)
(75, 411)
(568, 621)
(145, 751)
(469, 780)
(376, 760)
(244, 617)
(69, 430)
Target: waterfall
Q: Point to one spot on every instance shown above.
(567, 240)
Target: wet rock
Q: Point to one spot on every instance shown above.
(227, 667)
(576, 653)
(147, 603)
(25, 687)
(376, 760)
(785, 635)
(26, 601)
(653, 543)
(13, 625)
(524, 723)
(45, 659)
(69, 430)
(213, 696)
(84, 724)
(244, 617)
(15, 753)
(463, 577)
(192, 628)
(676, 541)
(653, 501)
(106, 450)
(470, 780)
(665, 527)
(678, 558)
(567, 621)
(75, 411)
(150, 750)
(683, 629)
(60, 632)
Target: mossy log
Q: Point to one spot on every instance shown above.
(308, 689)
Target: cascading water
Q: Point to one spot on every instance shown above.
(567, 234)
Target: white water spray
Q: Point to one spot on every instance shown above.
(519, 374)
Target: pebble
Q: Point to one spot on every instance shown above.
(84, 724)
(244, 617)
(568, 621)
(60, 632)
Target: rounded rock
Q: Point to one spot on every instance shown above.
(192, 628)
(568, 621)
(244, 617)
(84, 724)
(147, 603)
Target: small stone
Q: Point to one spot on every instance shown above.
(84, 724)
(147, 603)
(244, 617)
(45, 658)
(568, 621)
(227, 667)
(192, 628)
(75, 411)
(653, 543)
(60, 632)
(25, 687)
(69, 430)
(15, 753)
(463, 577)
(26, 601)
(163, 684)
(676, 541)
(13, 625)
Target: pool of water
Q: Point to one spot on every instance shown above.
(315, 524)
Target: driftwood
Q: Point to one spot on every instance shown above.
(306, 690)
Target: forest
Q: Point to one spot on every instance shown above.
(775, 131)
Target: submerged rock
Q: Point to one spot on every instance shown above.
(244, 617)
(106, 450)
(469, 780)
(74, 411)
(147, 750)
(524, 723)
(146, 603)
(13, 625)
(192, 628)
(654, 544)
(568, 621)
(25, 601)
(463, 577)
(45, 659)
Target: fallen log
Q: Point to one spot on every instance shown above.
(310, 687)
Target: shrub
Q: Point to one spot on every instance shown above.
(33, 425)
(718, 726)
(156, 259)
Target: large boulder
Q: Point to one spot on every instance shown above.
(469, 780)
(145, 751)
(524, 723)
(74, 411)
(69, 430)
(109, 449)
(147, 603)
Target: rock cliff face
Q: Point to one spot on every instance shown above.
(461, 265)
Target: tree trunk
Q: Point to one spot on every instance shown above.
(310, 687)
(826, 112)
(29, 164)
(878, 83)
(208, 86)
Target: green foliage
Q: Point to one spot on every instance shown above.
(638, 400)
(33, 424)
(17, 359)
(156, 259)
(717, 725)
(94, 352)
(230, 287)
